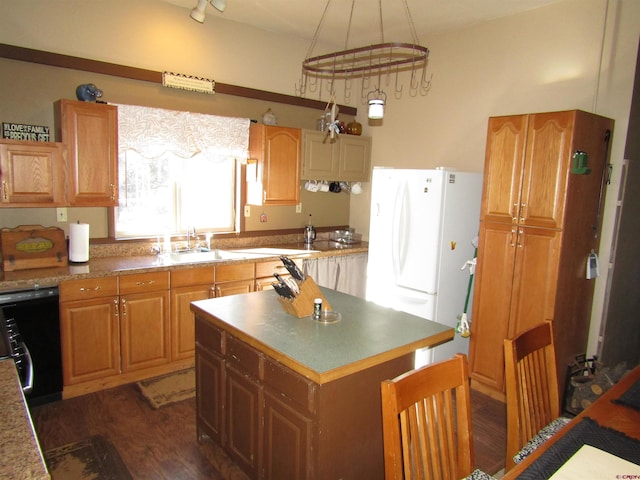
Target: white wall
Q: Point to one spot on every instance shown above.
(574, 54)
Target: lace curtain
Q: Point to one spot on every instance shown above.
(152, 132)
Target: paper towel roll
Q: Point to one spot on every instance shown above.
(79, 242)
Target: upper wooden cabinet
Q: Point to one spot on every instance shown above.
(90, 132)
(348, 158)
(32, 174)
(526, 180)
(273, 174)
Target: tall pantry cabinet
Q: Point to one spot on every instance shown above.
(544, 185)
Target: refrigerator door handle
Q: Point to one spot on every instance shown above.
(398, 231)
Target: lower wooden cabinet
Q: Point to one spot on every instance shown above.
(90, 329)
(234, 279)
(187, 285)
(257, 409)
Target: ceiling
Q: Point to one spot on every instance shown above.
(302, 17)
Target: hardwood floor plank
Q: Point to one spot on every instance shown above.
(162, 443)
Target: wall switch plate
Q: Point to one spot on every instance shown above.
(61, 214)
(247, 210)
(299, 208)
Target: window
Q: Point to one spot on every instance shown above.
(177, 170)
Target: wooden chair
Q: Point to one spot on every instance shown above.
(426, 423)
(531, 382)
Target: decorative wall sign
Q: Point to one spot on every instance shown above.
(188, 82)
(19, 131)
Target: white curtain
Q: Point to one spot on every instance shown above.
(344, 273)
(152, 132)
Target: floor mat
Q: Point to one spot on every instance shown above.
(93, 459)
(168, 389)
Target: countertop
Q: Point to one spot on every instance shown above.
(115, 265)
(21, 455)
(367, 334)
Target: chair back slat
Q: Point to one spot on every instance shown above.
(531, 382)
(427, 422)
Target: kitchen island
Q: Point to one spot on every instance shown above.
(289, 397)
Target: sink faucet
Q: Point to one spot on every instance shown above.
(191, 233)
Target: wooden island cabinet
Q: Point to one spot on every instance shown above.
(287, 397)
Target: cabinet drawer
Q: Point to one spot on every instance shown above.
(144, 282)
(208, 336)
(236, 271)
(281, 379)
(243, 357)
(192, 276)
(267, 269)
(88, 288)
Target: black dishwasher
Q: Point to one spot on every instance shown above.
(30, 324)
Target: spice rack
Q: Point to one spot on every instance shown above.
(302, 305)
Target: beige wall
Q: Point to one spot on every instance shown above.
(573, 54)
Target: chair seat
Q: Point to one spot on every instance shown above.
(478, 475)
(542, 436)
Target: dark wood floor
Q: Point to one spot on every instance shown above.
(162, 444)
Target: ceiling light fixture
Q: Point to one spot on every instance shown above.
(198, 13)
(371, 64)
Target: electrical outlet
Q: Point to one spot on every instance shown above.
(61, 214)
(299, 208)
(247, 210)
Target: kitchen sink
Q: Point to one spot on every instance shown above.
(268, 252)
(192, 256)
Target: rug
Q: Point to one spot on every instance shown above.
(93, 459)
(168, 389)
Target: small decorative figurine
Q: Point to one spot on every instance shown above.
(88, 92)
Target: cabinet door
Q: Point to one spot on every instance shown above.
(546, 167)
(318, 159)
(287, 440)
(355, 158)
(182, 319)
(90, 131)
(210, 394)
(503, 168)
(145, 330)
(277, 151)
(535, 278)
(243, 428)
(516, 276)
(90, 336)
(492, 302)
(32, 174)
(234, 288)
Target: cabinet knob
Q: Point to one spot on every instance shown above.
(5, 188)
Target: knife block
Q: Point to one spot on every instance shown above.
(302, 304)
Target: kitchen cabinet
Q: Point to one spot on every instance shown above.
(187, 286)
(145, 328)
(90, 133)
(252, 412)
(32, 174)
(348, 158)
(89, 329)
(273, 173)
(539, 221)
(234, 279)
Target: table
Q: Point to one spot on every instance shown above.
(606, 424)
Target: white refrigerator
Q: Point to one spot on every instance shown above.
(423, 232)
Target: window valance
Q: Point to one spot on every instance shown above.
(152, 132)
